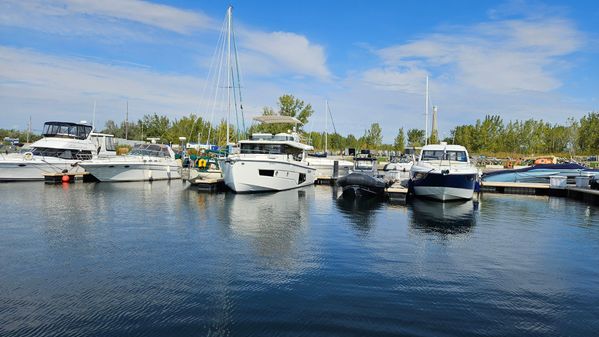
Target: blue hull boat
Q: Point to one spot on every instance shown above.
(540, 173)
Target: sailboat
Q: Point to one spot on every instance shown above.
(324, 166)
(208, 163)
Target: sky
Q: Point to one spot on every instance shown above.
(370, 60)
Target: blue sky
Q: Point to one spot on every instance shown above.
(519, 59)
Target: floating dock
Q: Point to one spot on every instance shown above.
(569, 191)
(208, 185)
(69, 177)
(397, 193)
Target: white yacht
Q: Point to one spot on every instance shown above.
(269, 162)
(443, 172)
(144, 162)
(62, 147)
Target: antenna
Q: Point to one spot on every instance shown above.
(426, 114)
(94, 117)
(29, 129)
(127, 121)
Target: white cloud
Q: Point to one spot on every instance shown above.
(48, 86)
(497, 56)
(69, 16)
(276, 52)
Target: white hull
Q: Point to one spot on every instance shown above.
(194, 174)
(19, 169)
(130, 171)
(243, 175)
(443, 193)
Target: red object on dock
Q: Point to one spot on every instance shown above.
(66, 179)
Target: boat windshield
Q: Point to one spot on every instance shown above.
(66, 130)
(266, 148)
(444, 155)
(364, 164)
(152, 150)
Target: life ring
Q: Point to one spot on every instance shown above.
(202, 163)
(28, 156)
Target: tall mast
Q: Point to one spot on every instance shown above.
(229, 84)
(29, 129)
(127, 121)
(326, 123)
(426, 114)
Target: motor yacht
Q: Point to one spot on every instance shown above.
(63, 146)
(268, 162)
(144, 162)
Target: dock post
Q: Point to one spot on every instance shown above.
(335, 169)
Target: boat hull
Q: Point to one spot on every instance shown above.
(34, 169)
(444, 187)
(109, 172)
(262, 175)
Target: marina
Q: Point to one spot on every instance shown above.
(155, 259)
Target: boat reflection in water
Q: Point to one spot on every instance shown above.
(273, 223)
(443, 218)
(359, 212)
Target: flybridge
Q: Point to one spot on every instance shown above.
(277, 119)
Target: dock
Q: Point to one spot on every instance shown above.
(208, 185)
(570, 191)
(397, 193)
(57, 177)
(325, 180)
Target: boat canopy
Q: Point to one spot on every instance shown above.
(152, 150)
(67, 130)
(277, 119)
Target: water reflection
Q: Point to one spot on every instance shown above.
(443, 217)
(273, 222)
(360, 212)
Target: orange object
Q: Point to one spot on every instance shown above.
(66, 179)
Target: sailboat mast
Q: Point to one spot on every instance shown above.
(426, 114)
(326, 123)
(229, 84)
(94, 117)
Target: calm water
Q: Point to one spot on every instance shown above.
(141, 259)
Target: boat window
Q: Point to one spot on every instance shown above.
(267, 173)
(67, 130)
(444, 155)
(302, 178)
(261, 148)
(62, 153)
(109, 144)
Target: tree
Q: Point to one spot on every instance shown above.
(399, 143)
(288, 106)
(375, 135)
(416, 137)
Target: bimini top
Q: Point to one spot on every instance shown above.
(67, 130)
(277, 119)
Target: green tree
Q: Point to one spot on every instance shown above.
(415, 137)
(288, 106)
(399, 143)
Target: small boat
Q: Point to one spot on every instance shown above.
(144, 162)
(398, 167)
(62, 147)
(363, 180)
(443, 172)
(204, 167)
(540, 173)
